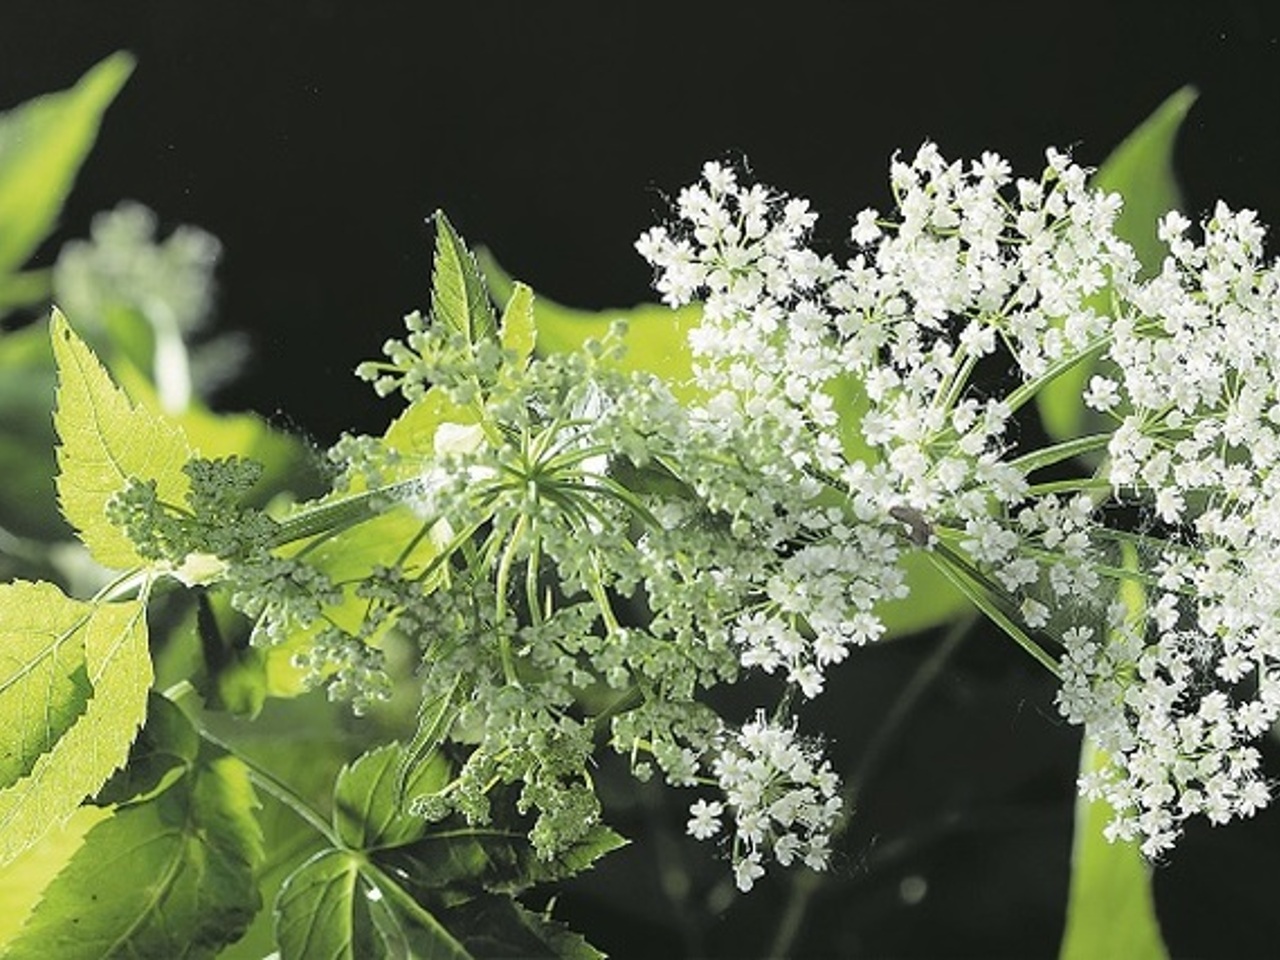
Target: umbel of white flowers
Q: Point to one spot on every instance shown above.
(1175, 675)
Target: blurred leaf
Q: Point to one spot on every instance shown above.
(24, 289)
(169, 877)
(1141, 170)
(1111, 910)
(42, 145)
(73, 687)
(106, 441)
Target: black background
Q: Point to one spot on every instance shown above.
(315, 138)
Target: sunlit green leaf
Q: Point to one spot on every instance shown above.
(169, 877)
(1111, 911)
(518, 329)
(1141, 170)
(167, 746)
(23, 881)
(42, 144)
(105, 441)
(73, 687)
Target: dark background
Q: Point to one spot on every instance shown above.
(314, 138)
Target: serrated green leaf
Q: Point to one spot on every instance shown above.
(458, 296)
(23, 881)
(1141, 170)
(89, 667)
(368, 807)
(496, 928)
(491, 858)
(334, 907)
(165, 749)
(171, 877)
(517, 327)
(42, 145)
(105, 442)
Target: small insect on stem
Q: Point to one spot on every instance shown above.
(918, 530)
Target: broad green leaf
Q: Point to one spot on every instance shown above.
(458, 297)
(170, 877)
(106, 441)
(24, 880)
(656, 336)
(1111, 910)
(335, 907)
(1140, 169)
(368, 800)
(73, 689)
(42, 145)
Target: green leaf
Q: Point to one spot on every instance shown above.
(656, 336)
(493, 858)
(42, 145)
(105, 442)
(171, 877)
(1111, 910)
(368, 800)
(337, 907)
(458, 296)
(499, 927)
(165, 749)
(518, 328)
(1140, 169)
(73, 688)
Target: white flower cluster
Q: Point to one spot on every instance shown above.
(782, 795)
(1197, 351)
(977, 274)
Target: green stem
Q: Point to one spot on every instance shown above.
(981, 593)
(1047, 456)
(338, 514)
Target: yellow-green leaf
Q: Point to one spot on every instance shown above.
(105, 441)
(1111, 911)
(42, 145)
(73, 690)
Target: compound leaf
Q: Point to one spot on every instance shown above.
(105, 442)
(169, 877)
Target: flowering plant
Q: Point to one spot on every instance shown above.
(552, 556)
